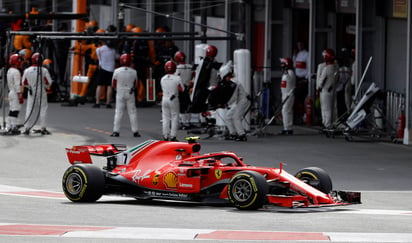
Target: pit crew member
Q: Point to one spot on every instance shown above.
(124, 81)
(171, 86)
(287, 86)
(15, 93)
(36, 81)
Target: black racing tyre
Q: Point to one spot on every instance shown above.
(316, 177)
(247, 190)
(83, 183)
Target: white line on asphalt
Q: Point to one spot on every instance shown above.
(370, 237)
(141, 233)
(178, 234)
(28, 192)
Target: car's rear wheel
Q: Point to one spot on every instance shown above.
(316, 177)
(83, 183)
(247, 190)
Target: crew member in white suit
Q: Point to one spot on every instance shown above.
(36, 81)
(124, 81)
(301, 62)
(287, 86)
(184, 70)
(15, 93)
(325, 82)
(237, 104)
(171, 86)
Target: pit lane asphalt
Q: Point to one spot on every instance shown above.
(359, 165)
(380, 169)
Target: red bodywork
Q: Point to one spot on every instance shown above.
(176, 170)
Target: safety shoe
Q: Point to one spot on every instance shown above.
(174, 139)
(241, 138)
(109, 106)
(26, 132)
(115, 134)
(286, 132)
(81, 100)
(71, 102)
(230, 137)
(165, 139)
(13, 131)
(136, 134)
(96, 106)
(44, 131)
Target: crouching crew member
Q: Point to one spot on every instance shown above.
(171, 86)
(237, 104)
(124, 81)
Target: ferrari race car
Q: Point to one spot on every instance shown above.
(177, 171)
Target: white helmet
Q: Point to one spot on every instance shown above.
(225, 69)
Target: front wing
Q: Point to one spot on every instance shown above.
(338, 198)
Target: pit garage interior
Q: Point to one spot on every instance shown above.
(378, 30)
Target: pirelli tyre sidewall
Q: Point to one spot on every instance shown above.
(247, 190)
(316, 177)
(83, 183)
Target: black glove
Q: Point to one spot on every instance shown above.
(172, 97)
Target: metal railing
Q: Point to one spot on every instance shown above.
(395, 105)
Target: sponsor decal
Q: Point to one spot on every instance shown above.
(137, 178)
(166, 194)
(186, 185)
(218, 173)
(155, 179)
(178, 157)
(74, 151)
(170, 180)
(188, 162)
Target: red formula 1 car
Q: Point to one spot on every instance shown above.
(176, 170)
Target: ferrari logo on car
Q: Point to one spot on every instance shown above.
(155, 179)
(218, 173)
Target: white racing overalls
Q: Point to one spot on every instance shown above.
(237, 107)
(14, 85)
(325, 81)
(124, 80)
(171, 85)
(37, 81)
(287, 84)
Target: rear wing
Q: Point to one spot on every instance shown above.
(82, 154)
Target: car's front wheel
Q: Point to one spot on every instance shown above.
(247, 190)
(316, 177)
(83, 183)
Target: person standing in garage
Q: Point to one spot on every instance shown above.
(301, 64)
(287, 87)
(36, 81)
(124, 81)
(171, 86)
(15, 93)
(325, 84)
(107, 58)
(185, 72)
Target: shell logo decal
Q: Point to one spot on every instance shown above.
(155, 179)
(218, 173)
(170, 180)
